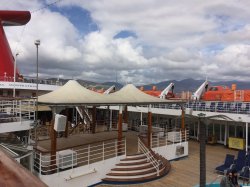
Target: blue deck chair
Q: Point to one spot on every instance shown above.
(243, 108)
(238, 107)
(212, 107)
(241, 160)
(220, 107)
(241, 155)
(229, 160)
(244, 173)
(202, 106)
(227, 107)
(247, 109)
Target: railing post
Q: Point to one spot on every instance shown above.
(180, 135)
(138, 145)
(151, 138)
(116, 147)
(88, 154)
(173, 136)
(125, 145)
(20, 111)
(185, 135)
(103, 151)
(166, 138)
(158, 140)
(40, 163)
(72, 159)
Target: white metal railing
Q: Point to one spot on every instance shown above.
(168, 137)
(32, 80)
(150, 157)
(78, 156)
(210, 106)
(16, 110)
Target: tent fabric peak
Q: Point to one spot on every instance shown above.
(72, 93)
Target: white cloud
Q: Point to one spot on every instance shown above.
(174, 40)
(119, 54)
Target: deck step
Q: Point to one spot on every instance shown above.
(129, 161)
(137, 168)
(132, 173)
(132, 163)
(132, 176)
(131, 168)
(134, 158)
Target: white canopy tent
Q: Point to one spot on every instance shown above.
(130, 95)
(72, 94)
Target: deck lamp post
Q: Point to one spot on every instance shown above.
(14, 89)
(202, 138)
(37, 43)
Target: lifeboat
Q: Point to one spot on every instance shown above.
(224, 93)
(157, 93)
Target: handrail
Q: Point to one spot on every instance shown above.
(42, 151)
(150, 157)
(78, 157)
(164, 138)
(17, 110)
(210, 106)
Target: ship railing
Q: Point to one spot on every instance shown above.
(78, 156)
(43, 130)
(142, 148)
(31, 80)
(169, 136)
(209, 106)
(16, 110)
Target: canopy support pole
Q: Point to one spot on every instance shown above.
(149, 126)
(119, 129)
(67, 124)
(110, 123)
(93, 119)
(53, 137)
(225, 135)
(126, 114)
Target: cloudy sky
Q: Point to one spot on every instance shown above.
(140, 41)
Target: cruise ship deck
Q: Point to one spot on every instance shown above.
(185, 171)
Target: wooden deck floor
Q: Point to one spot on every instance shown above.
(80, 139)
(185, 172)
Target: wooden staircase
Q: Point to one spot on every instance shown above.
(138, 169)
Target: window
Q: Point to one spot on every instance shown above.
(213, 89)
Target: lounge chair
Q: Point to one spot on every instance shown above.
(229, 160)
(241, 161)
(241, 155)
(244, 173)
